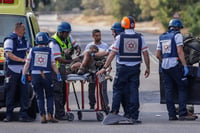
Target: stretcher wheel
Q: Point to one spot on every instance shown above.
(100, 116)
(79, 113)
(70, 116)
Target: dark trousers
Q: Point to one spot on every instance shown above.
(173, 76)
(43, 87)
(59, 92)
(14, 88)
(126, 84)
(91, 90)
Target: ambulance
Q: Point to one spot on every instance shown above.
(11, 12)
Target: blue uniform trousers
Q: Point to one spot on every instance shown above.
(43, 88)
(172, 77)
(13, 88)
(126, 84)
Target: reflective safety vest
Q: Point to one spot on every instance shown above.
(130, 47)
(19, 49)
(168, 44)
(62, 45)
(41, 59)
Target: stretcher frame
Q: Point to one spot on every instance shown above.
(72, 79)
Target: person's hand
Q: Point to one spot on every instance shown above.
(23, 79)
(78, 50)
(67, 51)
(109, 69)
(146, 73)
(100, 72)
(186, 70)
(59, 77)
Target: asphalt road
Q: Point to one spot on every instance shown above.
(152, 113)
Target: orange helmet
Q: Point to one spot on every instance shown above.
(128, 22)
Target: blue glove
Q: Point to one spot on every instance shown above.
(59, 77)
(186, 70)
(23, 79)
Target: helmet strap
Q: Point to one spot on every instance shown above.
(132, 22)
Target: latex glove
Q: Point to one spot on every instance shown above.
(186, 70)
(59, 77)
(23, 79)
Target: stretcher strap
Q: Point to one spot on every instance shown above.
(76, 77)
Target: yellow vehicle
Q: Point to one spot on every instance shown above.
(12, 11)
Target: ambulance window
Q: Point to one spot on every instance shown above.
(8, 22)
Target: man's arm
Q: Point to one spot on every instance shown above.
(55, 69)
(158, 55)
(147, 63)
(64, 61)
(107, 63)
(14, 57)
(26, 67)
(101, 53)
(181, 55)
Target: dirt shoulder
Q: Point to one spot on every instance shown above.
(79, 19)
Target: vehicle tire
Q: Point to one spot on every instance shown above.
(33, 109)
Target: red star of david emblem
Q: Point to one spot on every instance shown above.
(166, 47)
(40, 59)
(131, 45)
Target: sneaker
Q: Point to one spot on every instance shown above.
(107, 108)
(173, 118)
(112, 119)
(7, 119)
(52, 119)
(91, 106)
(187, 118)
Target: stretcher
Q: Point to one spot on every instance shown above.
(71, 80)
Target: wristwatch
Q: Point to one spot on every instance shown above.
(93, 54)
(104, 67)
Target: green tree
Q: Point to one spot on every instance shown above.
(189, 11)
(191, 18)
(70, 4)
(125, 7)
(37, 2)
(149, 8)
(167, 10)
(66, 5)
